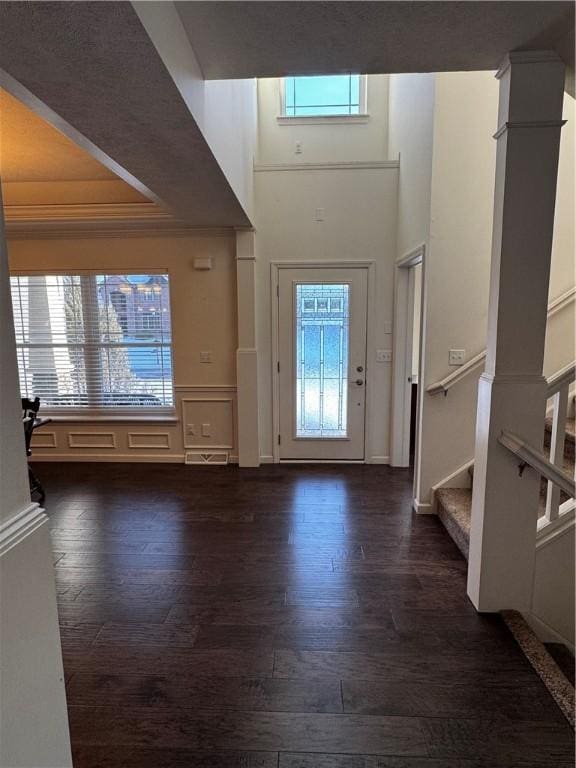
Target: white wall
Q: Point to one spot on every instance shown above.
(33, 716)
(336, 140)
(225, 111)
(359, 224)
(553, 597)
(410, 137)
(457, 265)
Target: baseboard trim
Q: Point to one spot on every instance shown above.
(546, 633)
(378, 460)
(21, 525)
(423, 508)
(111, 458)
(266, 459)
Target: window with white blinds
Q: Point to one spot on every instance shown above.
(94, 341)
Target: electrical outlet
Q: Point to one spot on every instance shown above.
(298, 148)
(205, 357)
(387, 326)
(319, 214)
(456, 356)
(383, 355)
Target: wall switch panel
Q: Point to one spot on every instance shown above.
(383, 355)
(206, 430)
(387, 326)
(456, 357)
(205, 357)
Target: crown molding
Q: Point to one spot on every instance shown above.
(99, 220)
(354, 165)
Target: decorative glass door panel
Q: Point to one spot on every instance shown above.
(322, 362)
(322, 332)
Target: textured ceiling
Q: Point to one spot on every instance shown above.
(268, 39)
(33, 150)
(94, 66)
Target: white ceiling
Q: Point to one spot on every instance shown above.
(268, 39)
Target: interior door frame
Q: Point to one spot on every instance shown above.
(402, 355)
(275, 268)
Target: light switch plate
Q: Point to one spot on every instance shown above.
(456, 357)
(387, 326)
(205, 357)
(383, 355)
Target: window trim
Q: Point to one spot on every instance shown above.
(66, 413)
(362, 117)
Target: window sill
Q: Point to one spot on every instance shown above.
(323, 119)
(69, 418)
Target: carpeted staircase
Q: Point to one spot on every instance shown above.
(454, 505)
(552, 661)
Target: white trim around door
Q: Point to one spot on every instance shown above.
(402, 355)
(276, 268)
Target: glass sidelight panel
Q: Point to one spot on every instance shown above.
(322, 330)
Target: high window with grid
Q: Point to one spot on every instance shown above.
(94, 342)
(333, 95)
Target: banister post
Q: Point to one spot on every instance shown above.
(512, 390)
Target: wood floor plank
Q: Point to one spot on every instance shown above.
(222, 693)
(148, 757)
(266, 731)
(382, 697)
(401, 666)
(301, 760)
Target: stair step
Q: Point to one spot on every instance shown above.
(454, 507)
(550, 672)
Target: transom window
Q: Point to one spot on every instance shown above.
(319, 96)
(93, 341)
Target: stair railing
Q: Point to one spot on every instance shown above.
(558, 393)
(445, 384)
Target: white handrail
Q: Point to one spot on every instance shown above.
(445, 384)
(564, 376)
(448, 381)
(538, 461)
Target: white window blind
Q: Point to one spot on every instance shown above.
(94, 341)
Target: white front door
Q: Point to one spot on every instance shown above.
(322, 362)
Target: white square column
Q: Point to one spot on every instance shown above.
(512, 390)
(247, 353)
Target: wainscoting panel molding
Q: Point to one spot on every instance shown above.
(152, 440)
(92, 440)
(44, 439)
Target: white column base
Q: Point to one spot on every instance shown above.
(34, 722)
(505, 504)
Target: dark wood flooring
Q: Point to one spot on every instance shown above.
(295, 617)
